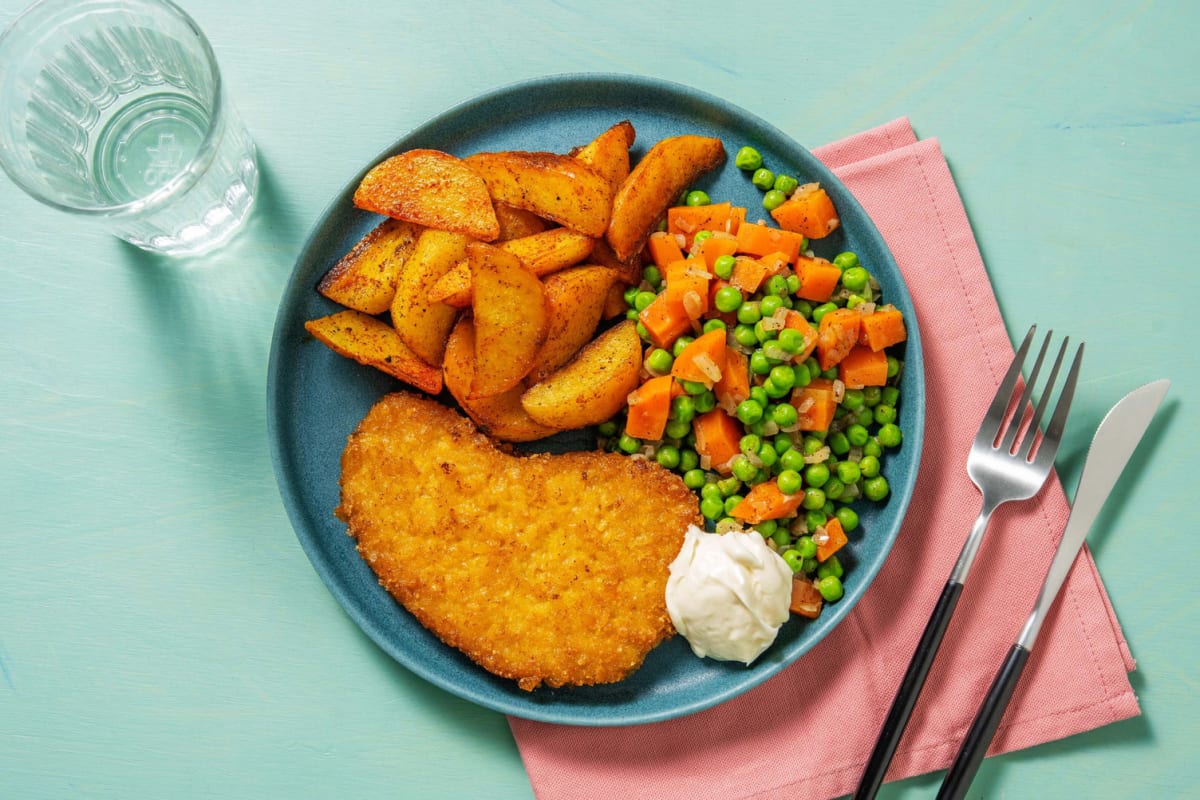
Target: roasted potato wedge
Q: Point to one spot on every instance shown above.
(670, 166)
(574, 302)
(593, 386)
(629, 272)
(614, 301)
(365, 278)
(558, 187)
(517, 222)
(424, 325)
(433, 189)
(509, 307)
(543, 253)
(500, 415)
(608, 153)
(369, 341)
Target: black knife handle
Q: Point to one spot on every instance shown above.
(975, 745)
(906, 695)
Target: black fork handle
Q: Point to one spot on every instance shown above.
(909, 691)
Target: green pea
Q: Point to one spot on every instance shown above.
(652, 276)
(890, 395)
(813, 520)
(855, 278)
(864, 416)
(630, 295)
(803, 375)
(742, 468)
(773, 199)
(872, 448)
(816, 475)
(788, 481)
(728, 298)
(694, 478)
(676, 429)
(848, 472)
(792, 459)
(831, 566)
(711, 507)
(748, 313)
(693, 387)
(869, 466)
(683, 408)
(784, 415)
(834, 489)
(855, 300)
(774, 390)
(802, 306)
(607, 429)
(783, 375)
(875, 488)
(697, 198)
(702, 236)
(889, 435)
(848, 517)
(813, 498)
(688, 460)
(839, 444)
(884, 414)
(872, 396)
(820, 311)
(714, 325)
(793, 284)
(749, 412)
(767, 455)
(744, 335)
(750, 443)
(680, 344)
(781, 537)
(782, 442)
(759, 363)
(667, 456)
(706, 401)
(811, 444)
(893, 368)
(763, 178)
(767, 527)
(846, 260)
(723, 266)
(731, 502)
(786, 183)
(806, 547)
(793, 559)
(810, 565)
(791, 340)
(770, 304)
(659, 361)
(857, 435)
(759, 395)
(777, 286)
(830, 588)
(748, 158)
(643, 299)
(628, 444)
(632, 314)
(711, 490)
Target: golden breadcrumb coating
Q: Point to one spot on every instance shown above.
(543, 568)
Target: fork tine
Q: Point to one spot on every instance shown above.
(1014, 427)
(1031, 436)
(995, 413)
(1054, 432)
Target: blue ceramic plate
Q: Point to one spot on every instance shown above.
(316, 398)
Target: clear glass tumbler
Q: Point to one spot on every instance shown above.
(114, 110)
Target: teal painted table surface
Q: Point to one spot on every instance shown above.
(161, 632)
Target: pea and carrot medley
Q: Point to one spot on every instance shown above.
(767, 381)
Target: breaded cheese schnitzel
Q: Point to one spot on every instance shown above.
(543, 568)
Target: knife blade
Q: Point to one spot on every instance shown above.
(1112, 446)
(1116, 438)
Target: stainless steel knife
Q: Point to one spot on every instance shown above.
(1115, 440)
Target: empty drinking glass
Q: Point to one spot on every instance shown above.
(115, 110)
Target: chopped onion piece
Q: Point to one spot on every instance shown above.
(680, 239)
(818, 457)
(839, 390)
(776, 352)
(805, 405)
(705, 364)
(705, 462)
(865, 308)
(770, 428)
(820, 536)
(693, 304)
(728, 525)
(772, 324)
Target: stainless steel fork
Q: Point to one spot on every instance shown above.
(1009, 461)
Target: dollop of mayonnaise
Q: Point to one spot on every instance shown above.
(728, 594)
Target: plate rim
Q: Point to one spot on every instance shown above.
(334, 582)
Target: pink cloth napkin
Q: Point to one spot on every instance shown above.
(771, 742)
